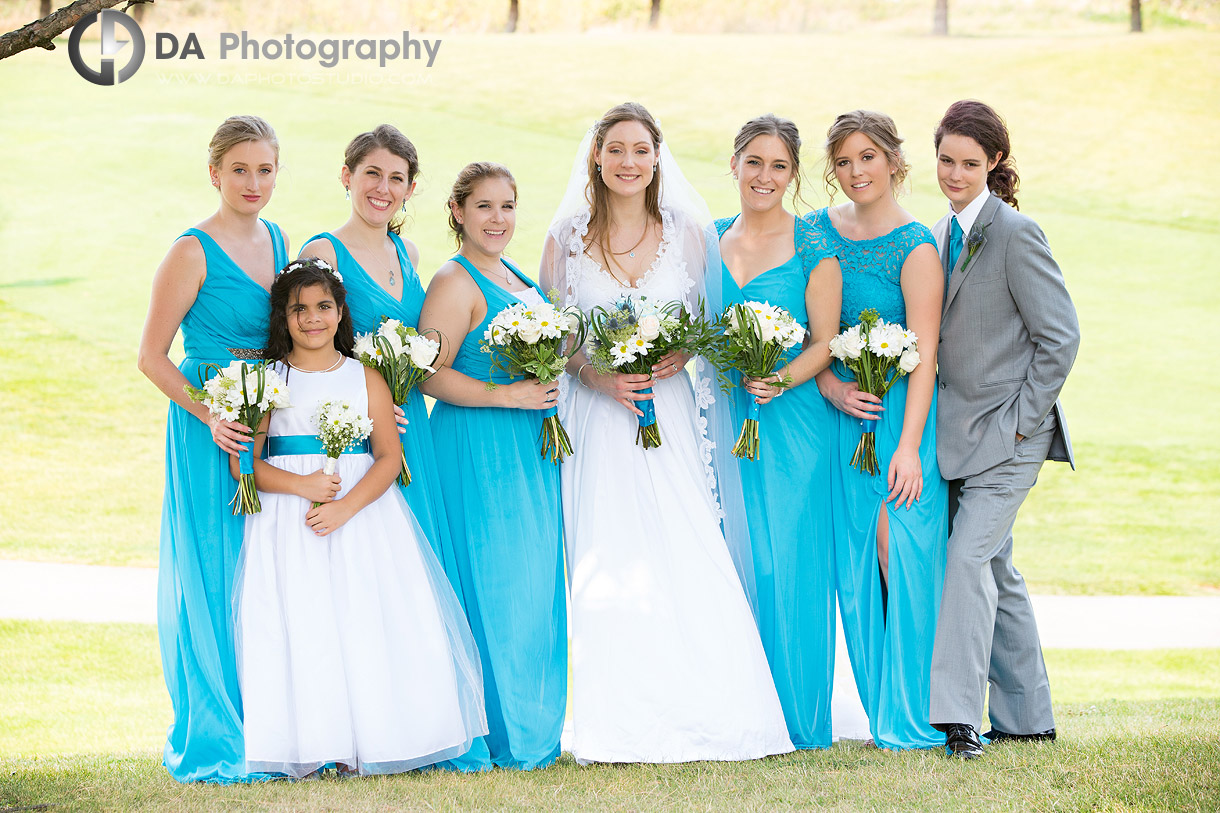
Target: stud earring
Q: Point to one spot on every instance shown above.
(349, 192)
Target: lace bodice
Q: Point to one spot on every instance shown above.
(665, 280)
(872, 269)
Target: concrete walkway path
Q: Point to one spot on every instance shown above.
(57, 592)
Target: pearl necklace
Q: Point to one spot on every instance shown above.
(340, 360)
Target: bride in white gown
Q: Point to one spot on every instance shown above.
(667, 665)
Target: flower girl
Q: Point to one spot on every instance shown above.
(352, 648)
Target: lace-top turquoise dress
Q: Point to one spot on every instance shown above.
(788, 508)
(200, 537)
(890, 643)
(369, 303)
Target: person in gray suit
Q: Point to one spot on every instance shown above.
(1009, 336)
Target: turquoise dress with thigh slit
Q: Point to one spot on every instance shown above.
(200, 537)
(502, 501)
(890, 649)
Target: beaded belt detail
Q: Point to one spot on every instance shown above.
(248, 353)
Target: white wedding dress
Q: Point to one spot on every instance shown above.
(667, 665)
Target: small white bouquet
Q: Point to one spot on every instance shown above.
(242, 392)
(404, 357)
(533, 341)
(339, 428)
(632, 336)
(879, 353)
(756, 336)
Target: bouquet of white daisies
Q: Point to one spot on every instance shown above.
(879, 353)
(340, 427)
(756, 336)
(536, 341)
(632, 336)
(243, 392)
(404, 357)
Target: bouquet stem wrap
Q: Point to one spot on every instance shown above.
(327, 468)
(245, 501)
(649, 432)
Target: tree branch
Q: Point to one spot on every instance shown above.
(42, 33)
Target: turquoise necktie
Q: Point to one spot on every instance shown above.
(955, 249)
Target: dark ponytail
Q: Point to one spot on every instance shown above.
(978, 121)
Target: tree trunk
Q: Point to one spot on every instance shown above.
(1137, 17)
(514, 11)
(940, 19)
(654, 16)
(137, 11)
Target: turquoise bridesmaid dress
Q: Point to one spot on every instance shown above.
(890, 650)
(788, 510)
(502, 499)
(200, 537)
(368, 303)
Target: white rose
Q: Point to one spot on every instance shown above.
(649, 327)
(853, 342)
(909, 360)
(836, 348)
(529, 331)
(364, 345)
(423, 353)
(766, 329)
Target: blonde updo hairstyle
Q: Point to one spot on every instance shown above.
(238, 130)
(879, 129)
(467, 180)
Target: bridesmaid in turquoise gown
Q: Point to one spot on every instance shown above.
(213, 284)
(894, 524)
(501, 495)
(378, 270)
(782, 260)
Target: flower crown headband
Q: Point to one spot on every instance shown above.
(310, 262)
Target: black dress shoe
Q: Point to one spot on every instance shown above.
(961, 741)
(995, 735)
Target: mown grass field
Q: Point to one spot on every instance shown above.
(83, 714)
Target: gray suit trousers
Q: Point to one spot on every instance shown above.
(986, 631)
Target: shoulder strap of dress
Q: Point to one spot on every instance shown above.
(278, 249)
(722, 224)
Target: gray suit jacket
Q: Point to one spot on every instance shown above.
(1008, 337)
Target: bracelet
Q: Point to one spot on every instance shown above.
(580, 370)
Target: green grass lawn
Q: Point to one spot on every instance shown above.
(1112, 147)
(83, 712)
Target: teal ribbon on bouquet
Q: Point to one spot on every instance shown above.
(649, 432)
(245, 461)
